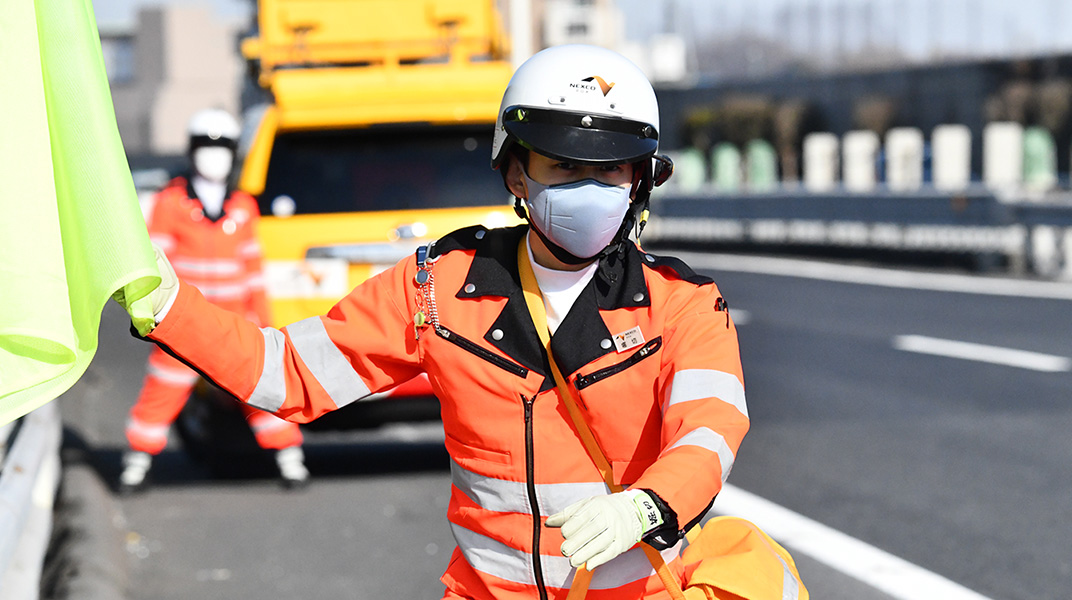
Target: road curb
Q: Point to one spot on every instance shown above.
(90, 539)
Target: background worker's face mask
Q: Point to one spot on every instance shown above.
(213, 162)
(581, 217)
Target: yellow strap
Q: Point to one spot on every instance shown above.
(534, 300)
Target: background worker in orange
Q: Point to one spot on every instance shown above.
(646, 345)
(208, 230)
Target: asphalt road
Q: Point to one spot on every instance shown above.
(958, 466)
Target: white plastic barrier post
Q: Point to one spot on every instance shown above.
(1040, 160)
(1003, 155)
(726, 167)
(859, 152)
(951, 148)
(904, 159)
(690, 170)
(820, 162)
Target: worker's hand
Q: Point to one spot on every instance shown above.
(599, 528)
(143, 311)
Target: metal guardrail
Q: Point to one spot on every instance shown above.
(29, 479)
(1029, 235)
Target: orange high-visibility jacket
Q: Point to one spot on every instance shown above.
(222, 257)
(648, 347)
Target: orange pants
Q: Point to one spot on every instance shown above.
(167, 386)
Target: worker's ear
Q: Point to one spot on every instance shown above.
(515, 177)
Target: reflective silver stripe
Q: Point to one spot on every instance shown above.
(249, 249)
(261, 422)
(166, 242)
(511, 496)
(499, 560)
(790, 586)
(176, 376)
(697, 384)
(326, 362)
(271, 390)
(709, 440)
(218, 291)
(494, 558)
(555, 497)
(148, 430)
(207, 266)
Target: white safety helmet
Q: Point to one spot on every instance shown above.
(213, 127)
(586, 105)
(580, 103)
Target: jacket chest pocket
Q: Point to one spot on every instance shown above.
(648, 349)
(481, 352)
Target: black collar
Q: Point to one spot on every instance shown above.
(582, 336)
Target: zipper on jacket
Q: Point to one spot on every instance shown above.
(476, 349)
(530, 485)
(645, 351)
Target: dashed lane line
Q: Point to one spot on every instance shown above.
(1024, 359)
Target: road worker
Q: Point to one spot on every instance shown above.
(645, 345)
(208, 230)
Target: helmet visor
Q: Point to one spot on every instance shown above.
(580, 138)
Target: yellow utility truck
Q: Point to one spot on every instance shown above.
(375, 137)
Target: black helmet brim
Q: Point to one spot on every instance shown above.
(580, 138)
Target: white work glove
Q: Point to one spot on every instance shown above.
(157, 301)
(163, 296)
(599, 528)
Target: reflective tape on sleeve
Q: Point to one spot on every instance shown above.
(326, 362)
(697, 384)
(271, 390)
(709, 440)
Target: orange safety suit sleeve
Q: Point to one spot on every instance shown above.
(365, 344)
(704, 417)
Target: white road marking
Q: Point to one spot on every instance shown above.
(892, 575)
(1024, 359)
(943, 282)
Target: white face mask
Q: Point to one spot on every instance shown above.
(581, 217)
(213, 163)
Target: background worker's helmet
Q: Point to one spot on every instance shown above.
(213, 127)
(213, 143)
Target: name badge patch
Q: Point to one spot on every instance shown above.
(628, 339)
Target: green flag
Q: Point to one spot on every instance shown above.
(71, 231)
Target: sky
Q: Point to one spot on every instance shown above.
(917, 27)
(122, 13)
